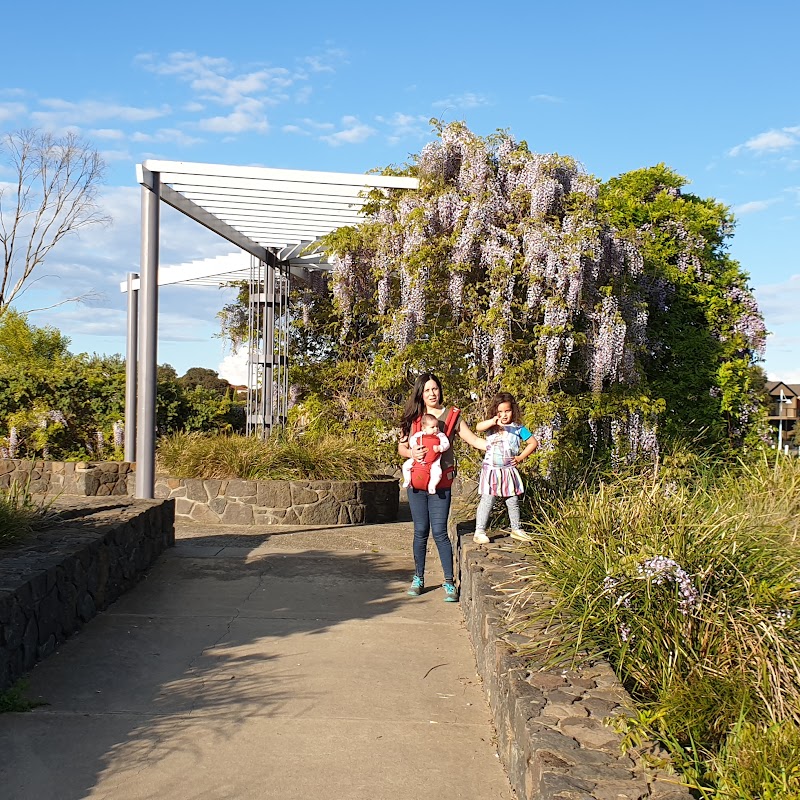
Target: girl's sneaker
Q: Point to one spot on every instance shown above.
(450, 592)
(521, 536)
(480, 538)
(417, 585)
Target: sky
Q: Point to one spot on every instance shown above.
(709, 88)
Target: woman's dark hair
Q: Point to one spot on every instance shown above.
(504, 397)
(415, 404)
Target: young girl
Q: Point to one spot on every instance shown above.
(499, 476)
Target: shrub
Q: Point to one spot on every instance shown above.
(282, 456)
(687, 581)
(20, 515)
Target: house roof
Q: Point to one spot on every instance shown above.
(789, 389)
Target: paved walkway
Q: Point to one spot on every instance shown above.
(288, 664)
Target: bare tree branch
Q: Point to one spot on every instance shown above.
(54, 194)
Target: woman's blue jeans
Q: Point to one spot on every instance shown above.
(429, 512)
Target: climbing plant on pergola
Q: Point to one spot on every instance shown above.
(612, 310)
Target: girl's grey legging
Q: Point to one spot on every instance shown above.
(485, 508)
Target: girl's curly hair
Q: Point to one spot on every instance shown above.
(504, 397)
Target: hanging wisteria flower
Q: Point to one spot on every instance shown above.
(783, 616)
(509, 257)
(660, 569)
(119, 433)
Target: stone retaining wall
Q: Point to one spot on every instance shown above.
(238, 502)
(81, 478)
(60, 578)
(552, 737)
(234, 502)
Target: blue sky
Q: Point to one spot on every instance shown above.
(709, 88)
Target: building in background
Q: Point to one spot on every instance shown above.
(783, 412)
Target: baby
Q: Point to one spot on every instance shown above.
(431, 437)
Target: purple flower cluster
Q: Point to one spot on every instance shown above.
(661, 569)
(518, 236)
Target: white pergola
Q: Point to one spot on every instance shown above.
(274, 215)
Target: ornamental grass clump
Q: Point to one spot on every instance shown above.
(689, 584)
(282, 456)
(20, 514)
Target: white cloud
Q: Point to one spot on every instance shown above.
(319, 126)
(353, 132)
(218, 81)
(233, 368)
(754, 206)
(769, 142)
(61, 113)
(110, 156)
(303, 95)
(779, 301)
(166, 136)
(10, 111)
(403, 126)
(107, 133)
(464, 100)
(787, 376)
(295, 129)
(246, 118)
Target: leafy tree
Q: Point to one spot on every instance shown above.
(51, 194)
(166, 372)
(59, 405)
(704, 328)
(206, 378)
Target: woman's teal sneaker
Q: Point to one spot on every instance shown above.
(417, 585)
(450, 592)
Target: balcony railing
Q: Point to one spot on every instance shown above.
(782, 411)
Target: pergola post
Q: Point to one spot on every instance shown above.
(130, 368)
(148, 341)
(269, 346)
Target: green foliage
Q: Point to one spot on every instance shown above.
(759, 762)
(233, 317)
(686, 580)
(660, 256)
(282, 456)
(702, 366)
(15, 701)
(205, 378)
(64, 406)
(20, 514)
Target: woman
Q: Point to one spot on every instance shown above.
(430, 511)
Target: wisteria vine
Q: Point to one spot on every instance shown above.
(511, 246)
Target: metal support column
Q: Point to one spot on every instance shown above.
(148, 342)
(130, 368)
(269, 347)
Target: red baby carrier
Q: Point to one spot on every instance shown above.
(421, 470)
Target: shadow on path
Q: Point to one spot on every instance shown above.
(219, 642)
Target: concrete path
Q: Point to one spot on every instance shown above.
(288, 664)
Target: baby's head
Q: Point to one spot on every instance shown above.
(429, 424)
